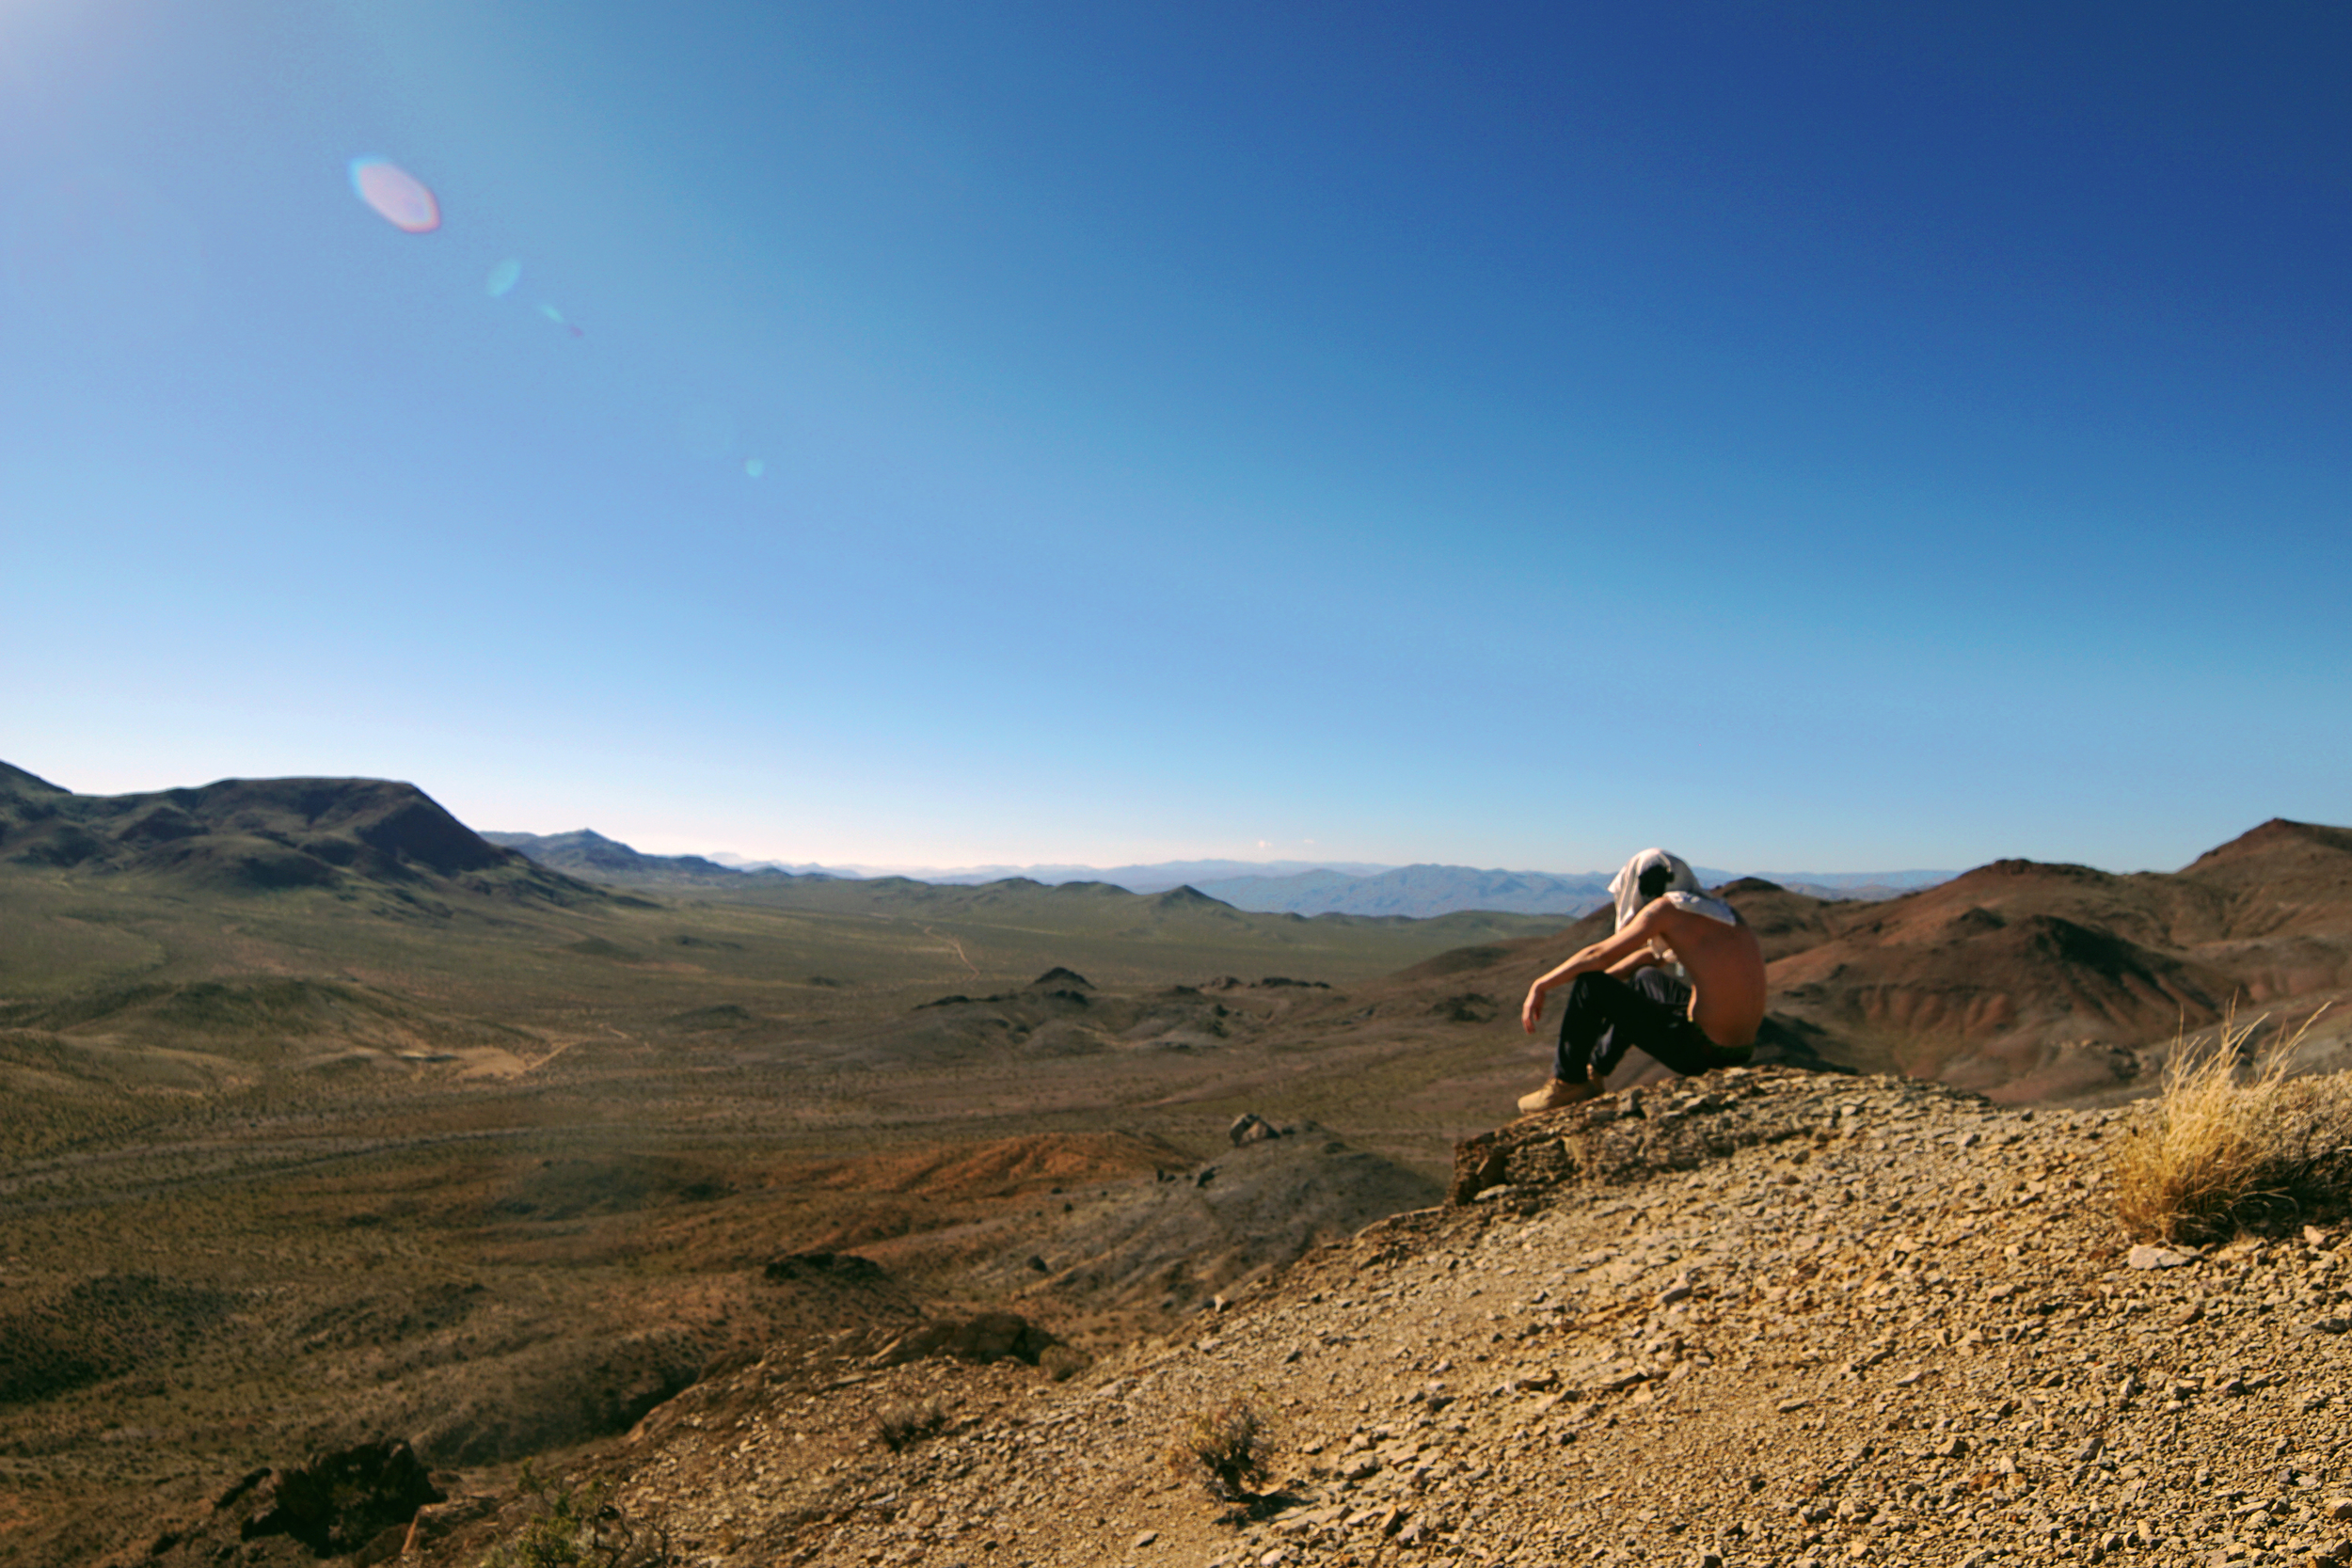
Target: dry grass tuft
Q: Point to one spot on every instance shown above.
(2217, 1152)
(1225, 1449)
(902, 1425)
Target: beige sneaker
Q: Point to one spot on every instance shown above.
(1556, 1093)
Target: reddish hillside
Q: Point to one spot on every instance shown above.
(2001, 964)
(2050, 974)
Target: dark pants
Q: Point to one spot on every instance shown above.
(1607, 1017)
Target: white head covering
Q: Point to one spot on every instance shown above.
(1626, 886)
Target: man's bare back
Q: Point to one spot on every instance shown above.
(1726, 968)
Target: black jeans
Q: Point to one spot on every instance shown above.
(1606, 1018)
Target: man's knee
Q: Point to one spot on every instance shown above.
(1589, 987)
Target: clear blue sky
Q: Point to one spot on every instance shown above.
(1825, 437)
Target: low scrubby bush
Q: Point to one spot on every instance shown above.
(901, 1425)
(1063, 1362)
(579, 1528)
(559, 1534)
(1225, 1449)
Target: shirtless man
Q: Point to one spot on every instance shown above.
(1709, 1022)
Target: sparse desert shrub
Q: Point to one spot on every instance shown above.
(1062, 1362)
(1227, 1450)
(578, 1529)
(2217, 1152)
(557, 1536)
(907, 1422)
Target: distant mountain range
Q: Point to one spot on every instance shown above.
(1422, 891)
(276, 833)
(1414, 889)
(1260, 887)
(583, 854)
(1157, 877)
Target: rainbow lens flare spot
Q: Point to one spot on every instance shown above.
(399, 198)
(503, 277)
(755, 468)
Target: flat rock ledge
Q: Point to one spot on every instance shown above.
(1614, 1139)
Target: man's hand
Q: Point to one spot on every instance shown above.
(1531, 1010)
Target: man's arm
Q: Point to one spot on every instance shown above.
(1632, 939)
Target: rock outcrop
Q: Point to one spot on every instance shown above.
(1618, 1138)
(356, 1503)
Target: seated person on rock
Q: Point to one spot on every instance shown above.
(1623, 995)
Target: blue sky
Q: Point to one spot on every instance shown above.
(1827, 437)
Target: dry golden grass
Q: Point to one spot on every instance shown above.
(2219, 1150)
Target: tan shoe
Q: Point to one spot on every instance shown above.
(1556, 1093)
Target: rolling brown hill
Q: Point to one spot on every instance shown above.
(2031, 979)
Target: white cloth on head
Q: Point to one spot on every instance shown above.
(1626, 886)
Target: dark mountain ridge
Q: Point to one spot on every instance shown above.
(262, 835)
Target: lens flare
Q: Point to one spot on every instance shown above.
(753, 467)
(398, 196)
(503, 277)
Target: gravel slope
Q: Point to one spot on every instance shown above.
(1900, 1327)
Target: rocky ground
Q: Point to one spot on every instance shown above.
(1760, 1318)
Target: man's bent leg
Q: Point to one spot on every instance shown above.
(1606, 1018)
(1586, 1025)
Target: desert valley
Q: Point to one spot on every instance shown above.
(799, 1218)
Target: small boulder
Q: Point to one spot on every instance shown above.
(2149, 1256)
(341, 1502)
(1251, 1128)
